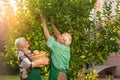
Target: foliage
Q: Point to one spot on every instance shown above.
(104, 37)
(24, 24)
(90, 41)
(72, 16)
(92, 75)
(1, 56)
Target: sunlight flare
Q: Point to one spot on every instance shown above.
(13, 3)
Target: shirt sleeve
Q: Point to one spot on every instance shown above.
(50, 42)
(25, 63)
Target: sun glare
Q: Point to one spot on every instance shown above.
(13, 3)
(7, 11)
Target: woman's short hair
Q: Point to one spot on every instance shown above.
(19, 42)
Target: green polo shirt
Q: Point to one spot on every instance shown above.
(60, 53)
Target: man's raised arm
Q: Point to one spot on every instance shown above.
(57, 33)
(46, 32)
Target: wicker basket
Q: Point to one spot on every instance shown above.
(37, 56)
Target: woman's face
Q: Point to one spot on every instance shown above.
(26, 44)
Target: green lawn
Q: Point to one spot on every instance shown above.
(14, 77)
(9, 77)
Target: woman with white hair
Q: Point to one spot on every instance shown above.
(60, 55)
(29, 69)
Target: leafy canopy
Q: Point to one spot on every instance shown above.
(89, 43)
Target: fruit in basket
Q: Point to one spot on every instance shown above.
(42, 52)
(36, 52)
(37, 55)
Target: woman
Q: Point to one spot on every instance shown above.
(29, 69)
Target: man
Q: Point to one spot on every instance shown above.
(60, 52)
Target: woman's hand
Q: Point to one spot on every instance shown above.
(37, 63)
(46, 60)
(41, 62)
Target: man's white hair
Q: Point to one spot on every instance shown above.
(67, 38)
(19, 43)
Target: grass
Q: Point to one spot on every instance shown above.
(9, 77)
(14, 77)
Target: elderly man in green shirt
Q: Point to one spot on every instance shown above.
(60, 52)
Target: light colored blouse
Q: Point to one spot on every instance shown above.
(24, 63)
